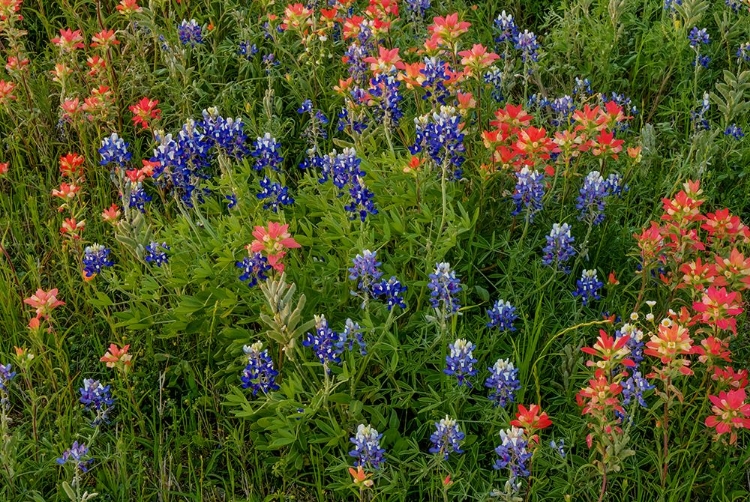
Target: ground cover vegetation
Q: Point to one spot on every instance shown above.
(374, 250)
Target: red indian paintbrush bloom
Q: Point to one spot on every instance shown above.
(128, 7)
(69, 40)
(531, 419)
(104, 39)
(144, 111)
(601, 396)
(111, 214)
(117, 356)
(668, 344)
(44, 302)
(731, 412)
(611, 351)
(3, 168)
(71, 165)
(719, 308)
(273, 241)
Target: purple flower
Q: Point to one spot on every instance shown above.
(266, 152)
(259, 374)
(503, 381)
(156, 253)
(365, 271)
(734, 131)
(634, 387)
(559, 248)
(190, 33)
(440, 136)
(502, 316)
(114, 150)
(352, 334)
(75, 455)
(460, 361)
(324, 342)
(444, 287)
(254, 269)
(276, 194)
(361, 200)
(529, 192)
(588, 287)
(591, 198)
(527, 44)
(743, 52)
(447, 438)
(97, 398)
(513, 454)
(392, 291)
(698, 37)
(95, 257)
(367, 448)
(506, 27)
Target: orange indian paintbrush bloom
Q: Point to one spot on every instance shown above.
(273, 242)
(145, 111)
(117, 356)
(44, 302)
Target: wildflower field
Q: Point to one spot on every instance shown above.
(374, 250)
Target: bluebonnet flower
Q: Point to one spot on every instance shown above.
(588, 287)
(702, 60)
(460, 361)
(614, 184)
(269, 61)
(276, 193)
(502, 316)
(513, 453)
(447, 438)
(506, 27)
(259, 374)
(698, 37)
(503, 381)
(700, 122)
(157, 253)
(341, 168)
(582, 87)
(444, 287)
(440, 135)
(227, 134)
(591, 199)
(138, 197)
(355, 56)
(313, 132)
(527, 44)
(266, 152)
(563, 108)
(361, 200)
(435, 77)
(254, 269)
(95, 257)
(558, 446)
(367, 448)
(357, 122)
(670, 4)
(734, 131)
(634, 387)
(97, 398)
(385, 88)
(559, 248)
(417, 8)
(6, 375)
(231, 201)
(190, 33)
(366, 272)
(246, 49)
(529, 192)
(76, 455)
(636, 342)
(743, 52)
(114, 150)
(735, 5)
(392, 291)
(324, 342)
(352, 333)
(494, 77)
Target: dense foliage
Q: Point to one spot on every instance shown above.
(374, 250)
